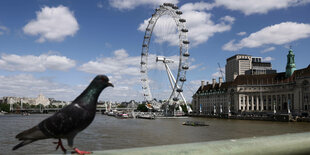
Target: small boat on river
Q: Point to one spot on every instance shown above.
(122, 116)
(2, 112)
(194, 123)
(145, 116)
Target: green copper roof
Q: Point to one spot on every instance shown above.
(290, 66)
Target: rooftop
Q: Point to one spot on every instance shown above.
(262, 79)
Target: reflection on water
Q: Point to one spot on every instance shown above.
(111, 133)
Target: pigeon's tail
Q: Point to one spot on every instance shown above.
(29, 136)
(25, 142)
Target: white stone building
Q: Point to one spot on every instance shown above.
(41, 99)
(277, 93)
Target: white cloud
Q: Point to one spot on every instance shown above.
(195, 83)
(131, 4)
(3, 30)
(268, 59)
(164, 31)
(26, 85)
(198, 22)
(241, 33)
(52, 24)
(249, 7)
(268, 49)
(119, 64)
(123, 64)
(218, 73)
(230, 46)
(100, 5)
(31, 63)
(228, 19)
(199, 6)
(277, 34)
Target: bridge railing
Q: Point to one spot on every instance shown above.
(298, 143)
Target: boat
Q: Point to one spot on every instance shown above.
(25, 114)
(194, 123)
(2, 112)
(123, 116)
(111, 113)
(145, 116)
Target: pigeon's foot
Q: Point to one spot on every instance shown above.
(81, 152)
(59, 143)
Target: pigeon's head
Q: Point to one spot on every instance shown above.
(102, 80)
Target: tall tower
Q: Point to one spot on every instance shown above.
(237, 65)
(290, 66)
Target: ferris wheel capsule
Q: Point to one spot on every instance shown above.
(178, 12)
(182, 20)
(182, 79)
(186, 54)
(184, 30)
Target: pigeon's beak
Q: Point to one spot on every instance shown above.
(110, 84)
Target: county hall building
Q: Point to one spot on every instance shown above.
(252, 87)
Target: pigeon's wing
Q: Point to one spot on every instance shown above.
(29, 136)
(67, 122)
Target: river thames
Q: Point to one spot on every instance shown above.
(111, 133)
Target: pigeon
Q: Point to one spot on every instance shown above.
(70, 120)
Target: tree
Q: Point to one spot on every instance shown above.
(121, 106)
(26, 105)
(5, 107)
(142, 107)
(40, 106)
(184, 108)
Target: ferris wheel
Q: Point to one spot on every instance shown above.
(176, 83)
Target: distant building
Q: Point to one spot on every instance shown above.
(237, 65)
(280, 93)
(58, 103)
(41, 99)
(242, 64)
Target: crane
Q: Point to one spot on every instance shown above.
(222, 74)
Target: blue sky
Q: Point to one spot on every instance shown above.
(56, 47)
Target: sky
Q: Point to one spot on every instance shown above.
(56, 47)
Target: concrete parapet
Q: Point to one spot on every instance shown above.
(282, 144)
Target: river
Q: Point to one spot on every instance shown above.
(111, 133)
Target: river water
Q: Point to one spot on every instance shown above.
(111, 133)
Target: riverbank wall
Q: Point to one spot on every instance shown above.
(279, 118)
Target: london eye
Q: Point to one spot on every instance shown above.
(177, 78)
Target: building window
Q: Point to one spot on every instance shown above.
(306, 107)
(264, 107)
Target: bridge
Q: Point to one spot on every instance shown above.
(49, 110)
(298, 143)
